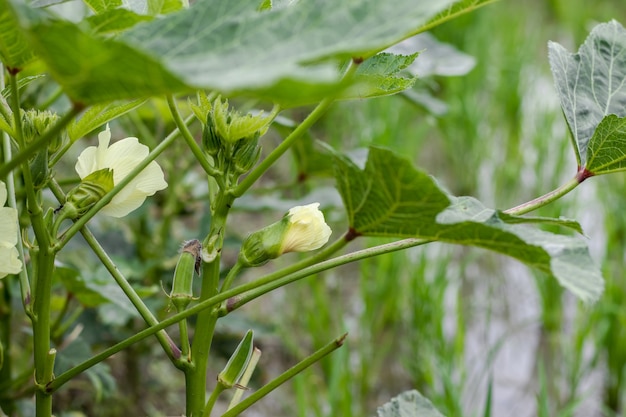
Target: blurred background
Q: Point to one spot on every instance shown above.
(477, 333)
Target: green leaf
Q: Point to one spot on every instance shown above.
(290, 54)
(380, 76)
(436, 58)
(93, 69)
(409, 404)
(21, 83)
(390, 198)
(115, 20)
(14, 50)
(591, 83)
(97, 116)
(99, 6)
(607, 147)
(237, 48)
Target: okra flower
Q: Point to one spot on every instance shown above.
(121, 157)
(9, 260)
(302, 229)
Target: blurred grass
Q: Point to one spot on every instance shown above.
(443, 320)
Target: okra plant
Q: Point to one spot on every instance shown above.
(229, 72)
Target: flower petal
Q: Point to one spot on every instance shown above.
(8, 226)
(87, 162)
(9, 260)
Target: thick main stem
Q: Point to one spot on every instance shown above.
(196, 375)
(44, 266)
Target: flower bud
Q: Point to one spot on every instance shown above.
(182, 286)
(90, 190)
(39, 169)
(211, 141)
(302, 229)
(36, 122)
(230, 126)
(246, 154)
(238, 362)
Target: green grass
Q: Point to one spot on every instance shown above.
(431, 318)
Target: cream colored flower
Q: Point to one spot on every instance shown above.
(9, 260)
(122, 157)
(302, 229)
(306, 230)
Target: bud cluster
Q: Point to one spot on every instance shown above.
(232, 139)
(35, 123)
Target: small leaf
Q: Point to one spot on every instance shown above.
(390, 198)
(115, 20)
(409, 404)
(591, 83)
(21, 83)
(100, 6)
(607, 147)
(380, 76)
(97, 116)
(436, 58)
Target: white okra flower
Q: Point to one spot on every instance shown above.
(121, 157)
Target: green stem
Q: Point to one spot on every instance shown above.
(44, 268)
(546, 198)
(285, 376)
(166, 342)
(230, 277)
(212, 399)
(270, 282)
(195, 377)
(106, 199)
(219, 298)
(184, 341)
(37, 144)
(298, 132)
(191, 142)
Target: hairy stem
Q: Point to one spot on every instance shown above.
(546, 198)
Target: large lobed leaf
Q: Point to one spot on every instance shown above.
(290, 54)
(390, 198)
(591, 85)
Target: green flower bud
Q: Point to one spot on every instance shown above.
(237, 363)
(302, 229)
(36, 122)
(246, 154)
(39, 169)
(211, 141)
(230, 126)
(90, 190)
(182, 286)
